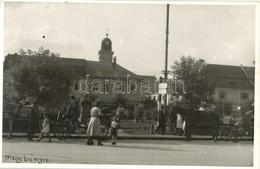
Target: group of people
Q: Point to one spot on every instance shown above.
(94, 126)
(183, 122)
(72, 112)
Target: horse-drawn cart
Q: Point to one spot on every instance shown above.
(17, 115)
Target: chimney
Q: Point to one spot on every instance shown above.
(114, 60)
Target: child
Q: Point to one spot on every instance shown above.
(45, 127)
(114, 126)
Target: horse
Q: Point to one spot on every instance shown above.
(17, 112)
(199, 121)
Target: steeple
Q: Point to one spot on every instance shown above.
(106, 53)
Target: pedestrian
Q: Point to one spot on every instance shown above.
(45, 127)
(179, 124)
(187, 127)
(120, 111)
(214, 125)
(136, 113)
(85, 107)
(72, 111)
(33, 122)
(246, 123)
(114, 126)
(94, 127)
(141, 115)
(160, 121)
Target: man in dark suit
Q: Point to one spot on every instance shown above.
(33, 123)
(214, 122)
(187, 120)
(161, 121)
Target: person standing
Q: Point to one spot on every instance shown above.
(179, 124)
(187, 126)
(85, 107)
(120, 111)
(246, 123)
(33, 122)
(45, 127)
(161, 121)
(214, 125)
(72, 111)
(136, 113)
(94, 127)
(114, 126)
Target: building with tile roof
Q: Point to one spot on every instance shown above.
(233, 83)
(104, 78)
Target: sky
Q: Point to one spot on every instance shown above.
(219, 34)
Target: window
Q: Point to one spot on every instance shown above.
(222, 95)
(244, 96)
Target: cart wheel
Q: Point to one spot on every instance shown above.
(62, 132)
(105, 132)
(234, 136)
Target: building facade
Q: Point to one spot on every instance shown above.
(234, 84)
(104, 78)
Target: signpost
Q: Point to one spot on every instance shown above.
(162, 88)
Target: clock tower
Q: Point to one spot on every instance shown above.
(106, 53)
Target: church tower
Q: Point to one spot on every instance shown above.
(106, 53)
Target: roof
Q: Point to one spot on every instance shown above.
(228, 76)
(73, 61)
(111, 70)
(94, 69)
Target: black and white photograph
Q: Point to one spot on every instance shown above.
(120, 84)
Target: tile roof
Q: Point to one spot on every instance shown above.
(108, 70)
(230, 76)
(93, 68)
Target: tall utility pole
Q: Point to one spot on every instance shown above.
(166, 54)
(166, 42)
(166, 57)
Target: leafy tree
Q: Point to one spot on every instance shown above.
(150, 107)
(119, 98)
(198, 88)
(149, 104)
(41, 75)
(223, 107)
(246, 106)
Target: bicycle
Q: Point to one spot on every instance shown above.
(235, 132)
(224, 132)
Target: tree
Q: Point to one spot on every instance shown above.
(119, 98)
(150, 107)
(41, 75)
(198, 88)
(223, 107)
(247, 106)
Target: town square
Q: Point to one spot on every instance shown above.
(130, 85)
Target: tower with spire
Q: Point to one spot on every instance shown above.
(106, 53)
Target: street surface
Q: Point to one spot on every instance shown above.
(130, 152)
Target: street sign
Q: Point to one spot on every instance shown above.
(162, 88)
(162, 85)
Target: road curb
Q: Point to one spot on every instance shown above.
(134, 137)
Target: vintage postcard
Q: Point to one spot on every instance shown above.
(120, 84)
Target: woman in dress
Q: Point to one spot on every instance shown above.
(45, 127)
(179, 125)
(94, 127)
